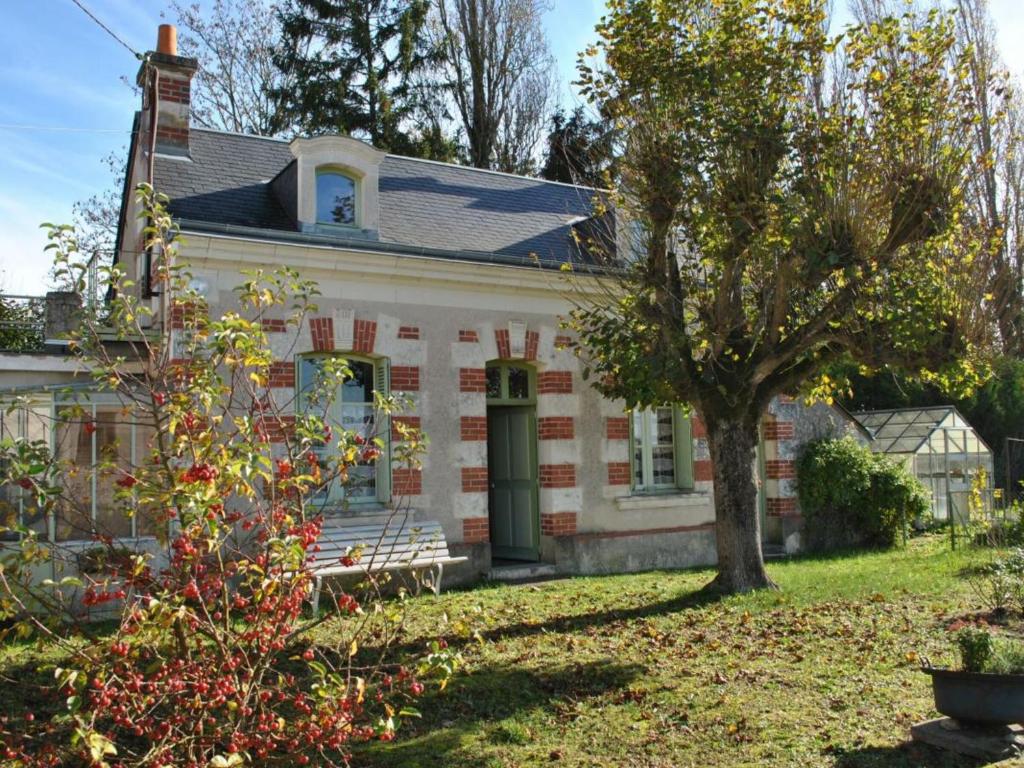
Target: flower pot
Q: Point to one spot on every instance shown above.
(978, 697)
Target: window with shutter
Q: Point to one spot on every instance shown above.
(661, 450)
(353, 409)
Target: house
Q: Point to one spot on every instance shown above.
(940, 448)
(444, 282)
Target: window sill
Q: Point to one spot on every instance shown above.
(644, 502)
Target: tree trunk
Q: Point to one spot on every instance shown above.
(733, 443)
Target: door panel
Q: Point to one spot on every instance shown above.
(512, 472)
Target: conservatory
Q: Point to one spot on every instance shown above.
(941, 448)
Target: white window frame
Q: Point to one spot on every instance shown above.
(682, 453)
(335, 495)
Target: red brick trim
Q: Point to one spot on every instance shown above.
(778, 430)
(466, 334)
(562, 341)
(407, 481)
(474, 479)
(501, 339)
(475, 530)
(556, 428)
(188, 313)
(282, 374)
(617, 428)
(472, 380)
(702, 470)
(473, 428)
(554, 382)
(619, 472)
(408, 332)
(322, 331)
(697, 428)
(273, 325)
(557, 475)
(780, 469)
(276, 429)
(412, 422)
(405, 378)
(532, 342)
(558, 523)
(782, 507)
(648, 532)
(364, 334)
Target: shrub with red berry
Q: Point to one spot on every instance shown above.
(210, 662)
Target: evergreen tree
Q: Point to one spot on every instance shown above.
(579, 150)
(351, 62)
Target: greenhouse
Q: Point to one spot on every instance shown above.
(940, 447)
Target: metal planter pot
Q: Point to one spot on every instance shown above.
(978, 697)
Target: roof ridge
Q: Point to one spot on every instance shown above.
(473, 168)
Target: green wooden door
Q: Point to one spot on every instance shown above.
(512, 472)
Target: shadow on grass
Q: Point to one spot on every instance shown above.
(474, 705)
(906, 755)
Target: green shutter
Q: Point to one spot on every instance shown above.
(683, 449)
(382, 384)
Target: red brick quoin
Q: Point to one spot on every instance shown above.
(473, 428)
(407, 481)
(468, 335)
(618, 473)
(501, 339)
(557, 475)
(475, 530)
(408, 332)
(554, 382)
(617, 428)
(472, 380)
(778, 430)
(556, 428)
(474, 479)
(364, 333)
(282, 374)
(781, 507)
(405, 378)
(558, 523)
(780, 469)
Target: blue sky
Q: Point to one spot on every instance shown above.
(58, 70)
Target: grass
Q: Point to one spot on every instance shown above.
(643, 670)
(646, 670)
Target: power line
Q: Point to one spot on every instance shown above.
(107, 29)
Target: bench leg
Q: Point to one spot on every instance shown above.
(436, 585)
(314, 597)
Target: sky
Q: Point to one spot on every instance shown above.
(64, 105)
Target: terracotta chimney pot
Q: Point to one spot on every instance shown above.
(167, 39)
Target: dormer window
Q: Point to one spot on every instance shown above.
(335, 198)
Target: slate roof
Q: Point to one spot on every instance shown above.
(905, 430)
(461, 212)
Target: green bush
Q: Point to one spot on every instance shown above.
(851, 497)
(975, 649)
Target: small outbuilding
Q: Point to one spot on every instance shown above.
(939, 446)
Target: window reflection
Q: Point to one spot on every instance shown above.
(335, 199)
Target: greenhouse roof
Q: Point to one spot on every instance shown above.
(906, 430)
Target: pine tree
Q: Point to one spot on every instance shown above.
(351, 62)
(579, 150)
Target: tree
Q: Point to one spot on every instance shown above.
(794, 200)
(995, 183)
(580, 150)
(208, 660)
(350, 64)
(496, 67)
(238, 86)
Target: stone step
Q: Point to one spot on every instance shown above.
(773, 552)
(522, 571)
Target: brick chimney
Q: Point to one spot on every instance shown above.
(166, 82)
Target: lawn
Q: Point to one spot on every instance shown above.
(644, 670)
(639, 670)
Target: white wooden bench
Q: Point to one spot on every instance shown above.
(400, 544)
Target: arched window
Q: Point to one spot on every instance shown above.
(335, 198)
